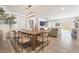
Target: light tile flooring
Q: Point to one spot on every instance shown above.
(62, 44)
(5, 47)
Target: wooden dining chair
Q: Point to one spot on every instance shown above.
(15, 37)
(44, 35)
(22, 40)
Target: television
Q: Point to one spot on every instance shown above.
(42, 23)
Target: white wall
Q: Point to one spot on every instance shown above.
(5, 29)
(51, 24)
(69, 22)
(20, 23)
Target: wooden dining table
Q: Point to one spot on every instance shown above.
(33, 35)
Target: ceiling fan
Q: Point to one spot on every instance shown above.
(28, 6)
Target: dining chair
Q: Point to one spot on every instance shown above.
(22, 40)
(44, 35)
(15, 37)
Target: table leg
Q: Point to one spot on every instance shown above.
(33, 42)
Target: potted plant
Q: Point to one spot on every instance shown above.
(8, 19)
(2, 13)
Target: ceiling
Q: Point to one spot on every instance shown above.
(46, 11)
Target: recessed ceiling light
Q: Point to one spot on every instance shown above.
(62, 8)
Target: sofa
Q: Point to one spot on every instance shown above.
(53, 32)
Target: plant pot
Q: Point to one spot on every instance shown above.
(1, 36)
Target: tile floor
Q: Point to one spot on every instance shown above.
(5, 47)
